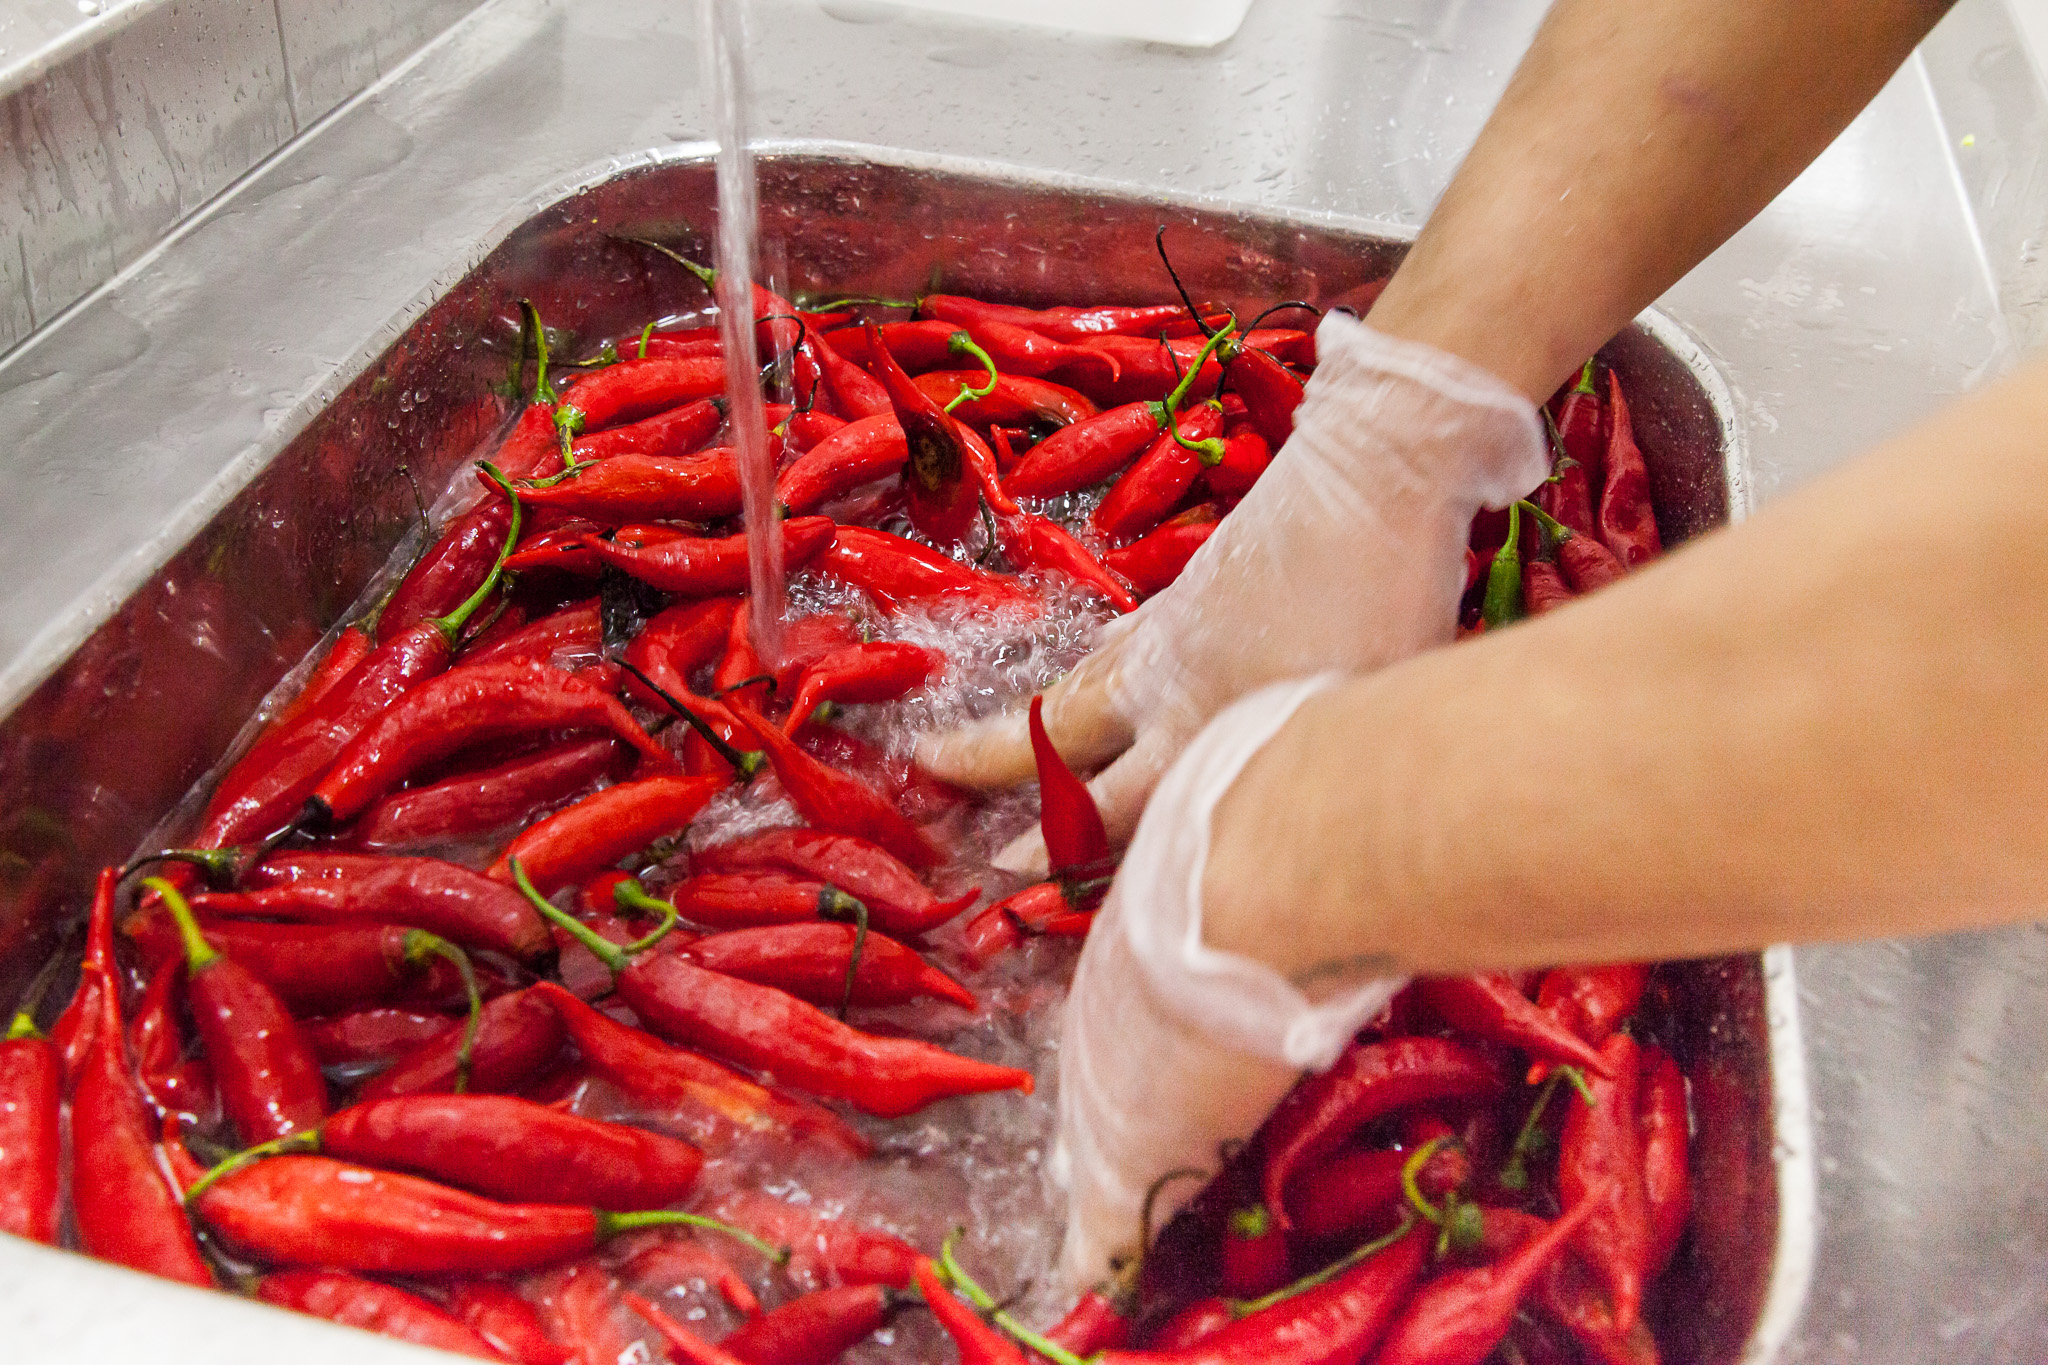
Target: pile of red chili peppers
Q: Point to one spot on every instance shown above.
(457, 993)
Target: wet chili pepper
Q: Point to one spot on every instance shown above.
(703, 566)
(1270, 390)
(669, 1261)
(1370, 1080)
(898, 572)
(579, 1307)
(684, 1345)
(1015, 400)
(942, 494)
(562, 548)
(1086, 453)
(513, 1150)
(1600, 1163)
(1360, 1191)
(1040, 543)
(174, 1083)
(1191, 1326)
(1581, 437)
(379, 1308)
(1543, 588)
(747, 900)
(858, 393)
(742, 679)
(269, 1082)
(857, 454)
(1150, 565)
(682, 430)
(463, 707)
(631, 487)
(374, 1035)
(1042, 910)
(1096, 1322)
(822, 1249)
(812, 962)
(599, 830)
(1075, 839)
(1665, 1130)
(1502, 604)
(898, 903)
(1246, 455)
(517, 1035)
(814, 1328)
(1587, 564)
(1491, 1006)
(1152, 368)
(928, 345)
(638, 388)
(1628, 520)
(920, 797)
(1569, 1295)
(884, 670)
(475, 803)
(507, 1321)
(715, 1099)
(1459, 1317)
(1592, 1002)
(345, 888)
(1566, 494)
(572, 630)
(679, 640)
(978, 1343)
(31, 1088)
(350, 648)
(125, 1211)
(1255, 1256)
(840, 802)
(313, 968)
(1061, 324)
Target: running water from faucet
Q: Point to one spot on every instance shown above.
(722, 41)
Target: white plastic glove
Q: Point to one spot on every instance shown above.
(1348, 553)
(1168, 1046)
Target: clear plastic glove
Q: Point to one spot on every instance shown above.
(1170, 1047)
(1347, 554)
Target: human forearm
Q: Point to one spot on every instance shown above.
(1636, 136)
(1825, 723)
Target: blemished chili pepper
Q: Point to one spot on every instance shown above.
(682, 430)
(631, 487)
(462, 707)
(1074, 834)
(380, 1308)
(1255, 1258)
(1460, 1316)
(840, 802)
(941, 495)
(1628, 520)
(174, 1083)
(681, 639)
(1370, 1080)
(125, 1211)
(898, 903)
(1491, 1006)
(1360, 1191)
(348, 888)
(1543, 588)
(1151, 564)
(1087, 452)
(31, 1091)
(1600, 1163)
(1587, 564)
(270, 1084)
(1665, 1130)
(897, 572)
(572, 630)
(475, 803)
(715, 1100)
(317, 967)
(513, 1150)
(1503, 601)
(517, 1035)
(1035, 542)
(814, 1328)
(684, 1346)
(1014, 400)
(698, 566)
(376, 1034)
(879, 671)
(599, 830)
(1246, 455)
(507, 1321)
(812, 962)
(1096, 1322)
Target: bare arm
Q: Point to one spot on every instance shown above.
(1636, 136)
(1829, 722)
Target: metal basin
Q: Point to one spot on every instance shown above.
(106, 748)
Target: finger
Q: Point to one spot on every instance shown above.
(1080, 716)
(1120, 792)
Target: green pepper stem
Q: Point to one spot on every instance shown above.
(199, 954)
(1585, 384)
(1554, 530)
(1251, 1223)
(646, 333)
(1210, 450)
(838, 906)
(421, 945)
(529, 322)
(222, 866)
(605, 951)
(960, 343)
(610, 1225)
(305, 1140)
(1515, 1174)
(704, 273)
(23, 1025)
(747, 764)
(834, 305)
(957, 1275)
(1244, 1308)
(630, 895)
(1411, 1171)
(1180, 390)
(451, 625)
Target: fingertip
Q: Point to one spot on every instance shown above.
(995, 752)
(1025, 856)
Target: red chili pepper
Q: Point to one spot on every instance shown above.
(683, 638)
(31, 1087)
(1370, 1080)
(1191, 1326)
(1593, 1001)
(1038, 911)
(1270, 390)
(562, 548)
(680, 431)
(349, 649)
(1628, 521)
(840, 802)
(464, 707)
(1074, 835)
(1664, 1126)
(978, 1342)
(1543, 587)
(351, 888)
(1582, 438)
(920, 797)
(1015, 400)
(508, 1322)
(516, 1036)
(514, 1150)
(898, 572)
(379, 1308)
(1459, 1317)
(752, 899)
(1152, 368)
(1246, 455)
(898, 903)
(631, 487)
(668, 1261)
(704, 566)
(1600, 1163)
(1035, 542)
(942, 499)
(684, 1345)
(1061, 324)
(1490, 1006)
(928, 345)
(714, 1099)
(601, 829)
(638, 388)
(812, 962)
(174, 1083)
(270, 1085)
(1150, 565)
(882, 670)
(815, 1328)
(125, 1211)
(475, 803)
(1569, 1295)
(1256, 1260)
(374, 1035)
(1360, 1191)
(858, 393)
(316, 967)
(579, 1307)
(822, 1249)
(1087, 452)
(1096, 1322)
(1587, 564)
(742, 679)
(574, 629)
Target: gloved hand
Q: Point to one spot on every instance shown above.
(1168, 1046)
(1348, 553)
